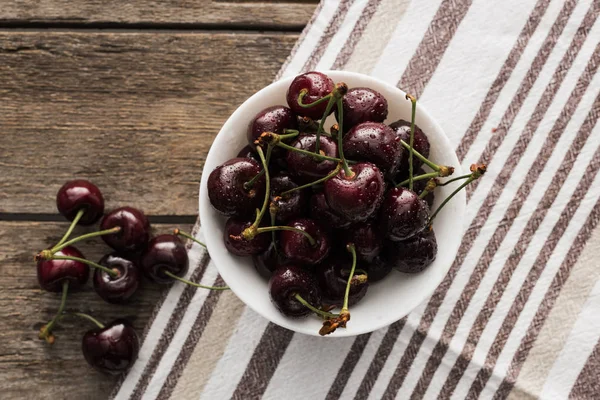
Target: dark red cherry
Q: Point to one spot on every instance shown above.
(318, 85)
(269, 260)
(306, 168)
(332, 276)
(80, 194)
(367, 239)
(412, 255)
(403, 214)
(164, 253)
(135, 229)
(378, 269)
(52, 273)
(421, 143)
(358, 197)
(248, 152)
(377, 143)
(286, 282)
(418, 186)
(112, 349)
(361, 105)
(238, 245)
(296, 247)
(320, 211)
(290, 205)
(273, 119)
(227, 192)
(120, 288)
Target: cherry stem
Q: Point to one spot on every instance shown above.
(168, 273)
(332, 101)
(304, 92)
(178, 232)
(273, 213)
(90, 235)
(88, 317)
(347, 171)
(249, 184)
(260, 214)
(351, 249)
(413, 100)
(88, 262)
(314, 309)
(264, 229)
(477, 170)
(46, 332)
(458, 178)
(420, 178)
(325, 178)
(72, 226)
(320, 156)
(420, 156)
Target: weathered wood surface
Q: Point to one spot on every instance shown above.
(29, 368)
(273, 14)
(134, 112)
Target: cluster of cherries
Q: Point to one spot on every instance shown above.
(354, 194)
(110, 348)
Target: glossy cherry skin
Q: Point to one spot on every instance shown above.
(418, 186)
(367, 240)
(226, 189)
(403, 214)
(374, 142)
(412, 255)
(318, 85)
(240, 246)
(320, 211)
(120, 288)
(80, 194)
(286, 282)
(297, 248)
(332, 276)
(420, 143)
(52, 273)
(248, 152)
(135, 229)
(164, 253)
(272, 119)
(290, 205)
(269, 260)
(361, 105)
(306, 168)
(113, 349)
(358, 197)
(378, 269)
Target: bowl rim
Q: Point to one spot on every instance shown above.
(204, 208)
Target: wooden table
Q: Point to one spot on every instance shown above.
(129, 95)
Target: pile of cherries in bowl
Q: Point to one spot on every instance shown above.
(326, 212)
(111, 348)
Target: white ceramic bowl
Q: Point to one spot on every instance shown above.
(386, 301)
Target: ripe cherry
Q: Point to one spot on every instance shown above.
(420, 144)
(298, 248)
(377, 143)
(120, 288)
(83, 196)
(378, 269)
(111, 349)
(288, 205)
(367, 239)
(288, 281)
(412, 255)
(403, 214)
(361, 105)
(164, 255)
(316, 85)
(333, 275)
(320, 211)
(274, 119)
(134, 233)
(306, 167)
(52, 273)
(239, 245)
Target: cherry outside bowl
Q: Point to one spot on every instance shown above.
(388, 300)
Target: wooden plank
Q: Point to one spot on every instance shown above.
(134, 112)
(282, 14)
(29, 368)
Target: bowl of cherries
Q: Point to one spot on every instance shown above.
(330, 195)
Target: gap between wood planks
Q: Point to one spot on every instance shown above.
(34, 217)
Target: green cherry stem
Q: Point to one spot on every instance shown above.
(178, 232)
(251, 231)
(332, 101)
(86, 316)
(314, 309)
(264, 229)
(351, 249)
(46, 331)
(304, 92)
(318, 156)
(419, 178)
(88, 262)
(413, 100)
(347, 171)
(193, 283)
(72, 226)
(421, 157)
(325, 178)
(250, 183)
(90, 235)
(458, 178)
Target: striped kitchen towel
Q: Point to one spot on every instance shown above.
(515, 84)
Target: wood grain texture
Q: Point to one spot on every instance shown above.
(134, 112)
(29, 368)
(273, 14)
